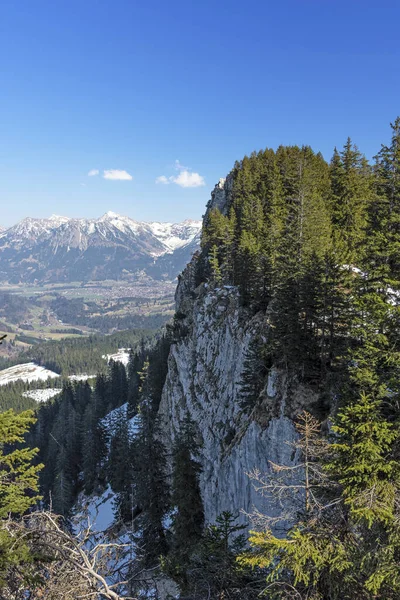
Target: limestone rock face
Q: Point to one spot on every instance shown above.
(205, 367)
(220, 195)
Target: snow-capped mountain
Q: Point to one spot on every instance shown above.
(110, 247)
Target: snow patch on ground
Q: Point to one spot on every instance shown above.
(99, 510)
(42, 395)
(121, 413)
(26, 372)
(121, 356)
(81, 377)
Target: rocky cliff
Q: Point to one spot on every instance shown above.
(204, 371)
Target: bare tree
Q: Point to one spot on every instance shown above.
(67, 566)
(298, 488)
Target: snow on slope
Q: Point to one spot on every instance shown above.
(110, 421)
(175, 235)
(121, 356)
(99, 510)
(42, 395)
(170, 235)
(26, 372)
(81, 377)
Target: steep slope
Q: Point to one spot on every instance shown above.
(110, 247)
(204, 370)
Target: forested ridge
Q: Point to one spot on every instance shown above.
(316, 245)
(315, 248)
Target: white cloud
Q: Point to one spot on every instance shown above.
(187, 179)
(180, 167)
(163, 179)
(93, 172)
(117, 175)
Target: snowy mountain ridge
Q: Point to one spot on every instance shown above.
(109, 247)
(170, 235)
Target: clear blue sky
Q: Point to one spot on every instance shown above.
(134, 86)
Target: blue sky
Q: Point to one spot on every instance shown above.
(180, 90)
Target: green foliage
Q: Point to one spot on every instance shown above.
(73, 439)
(301, 238)
(19, 477)
(316, 248)
(352, 194)
(346, 545)
(11, 394)
(361, 462)
(18, 487)
(152, 493)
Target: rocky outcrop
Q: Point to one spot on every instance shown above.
(205, 367)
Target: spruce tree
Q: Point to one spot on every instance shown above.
(346, 543)
(188, 519)
(19, 487)
(253, 375)
(385, 213)
(152, 493)
(94, 448)
(134, 366)
(351, 185)
(120, 468)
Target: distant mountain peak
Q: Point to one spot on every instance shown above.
(111, 215)
(112, 246)
(59, 218)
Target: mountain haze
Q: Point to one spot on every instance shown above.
(62, 249)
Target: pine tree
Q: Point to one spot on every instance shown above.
(385, 213)
(216, 277)
(118, 384)
(19, 476)
(361, 461)
(62, 496)
(214, 572)
(134, 366)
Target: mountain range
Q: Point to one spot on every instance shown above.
(63, 249)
